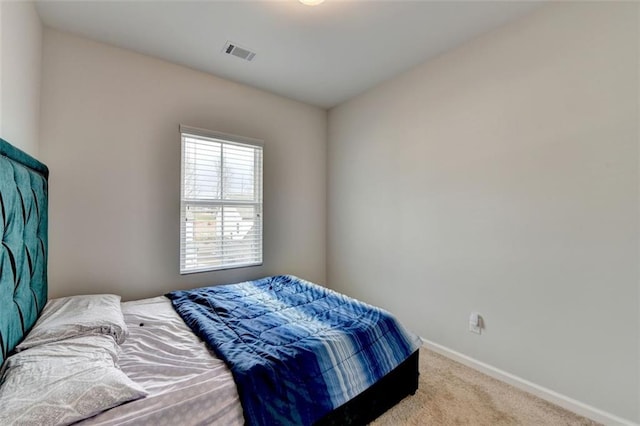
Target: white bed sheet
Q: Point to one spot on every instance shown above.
(187, 383)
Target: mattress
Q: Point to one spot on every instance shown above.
(297, 350)
(184, 379)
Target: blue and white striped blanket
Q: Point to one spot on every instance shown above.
(296, 350)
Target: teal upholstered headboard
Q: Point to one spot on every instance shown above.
(23, 252)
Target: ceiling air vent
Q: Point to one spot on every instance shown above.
(235, 50)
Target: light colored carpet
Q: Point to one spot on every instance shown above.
(453, 394)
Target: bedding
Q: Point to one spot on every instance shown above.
(75, 316)
(61, 382)
(296, 350)
(186, 382)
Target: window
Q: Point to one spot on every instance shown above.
(220, 202)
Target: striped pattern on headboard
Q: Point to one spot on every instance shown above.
(23, 250)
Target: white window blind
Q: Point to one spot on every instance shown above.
(221, 201)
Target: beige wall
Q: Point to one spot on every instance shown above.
(110, 136)
(502, 177)
(20, 70)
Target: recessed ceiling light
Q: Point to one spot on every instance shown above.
(311, 2)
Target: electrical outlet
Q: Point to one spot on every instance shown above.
(475, 323)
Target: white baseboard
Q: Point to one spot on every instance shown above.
(527, 386)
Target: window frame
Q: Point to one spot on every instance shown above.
(257, 202)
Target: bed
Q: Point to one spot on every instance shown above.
(279, 350)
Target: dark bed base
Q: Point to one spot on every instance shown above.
(384, 394)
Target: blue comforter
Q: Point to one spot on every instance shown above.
(296, 350)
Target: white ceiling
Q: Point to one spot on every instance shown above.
(320, 55)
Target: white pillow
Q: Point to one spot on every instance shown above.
(64, 382)
(75, 316)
